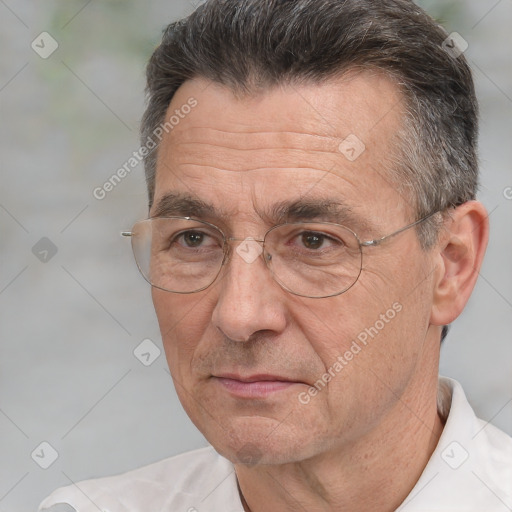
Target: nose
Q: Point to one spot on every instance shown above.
(249, 300)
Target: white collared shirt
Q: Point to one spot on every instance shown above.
(469, 471)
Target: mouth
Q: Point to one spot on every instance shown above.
(254, 386)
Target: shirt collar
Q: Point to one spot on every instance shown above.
(471, 467)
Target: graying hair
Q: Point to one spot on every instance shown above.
(253, 45)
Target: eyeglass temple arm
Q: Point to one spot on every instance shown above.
(378, 241)
(367, 243)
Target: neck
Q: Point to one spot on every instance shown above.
(376, 473)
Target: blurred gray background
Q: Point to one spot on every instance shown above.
(73, 306)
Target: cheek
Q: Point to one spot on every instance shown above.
(183, 320)
(332, 325)
(374, 331)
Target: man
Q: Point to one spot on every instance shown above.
(311, 168)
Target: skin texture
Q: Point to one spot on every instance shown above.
(361, 442)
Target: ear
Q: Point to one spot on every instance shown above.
(459, 253)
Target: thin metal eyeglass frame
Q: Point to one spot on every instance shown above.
(367, 243)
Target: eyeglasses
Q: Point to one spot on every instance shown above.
(309, 259)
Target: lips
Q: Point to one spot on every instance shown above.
(254, 378)
(254, 386)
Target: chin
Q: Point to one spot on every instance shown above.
(259, 440)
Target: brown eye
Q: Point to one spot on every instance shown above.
(312, 240)
(193, 238)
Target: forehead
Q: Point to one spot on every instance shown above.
(335, 138)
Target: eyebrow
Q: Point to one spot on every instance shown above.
(321, 210)
(178, 205)
(300, 210)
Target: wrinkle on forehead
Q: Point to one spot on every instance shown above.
(247, 137)
(291, 132)
(310, 117)
(243, 151)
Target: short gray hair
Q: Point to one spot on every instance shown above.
(251, 45)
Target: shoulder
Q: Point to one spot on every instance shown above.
(489, 449)
(471, 467)
(494, 451)
(176, 483)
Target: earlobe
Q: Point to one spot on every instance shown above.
(461, 248)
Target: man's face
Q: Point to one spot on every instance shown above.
(245, 354)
